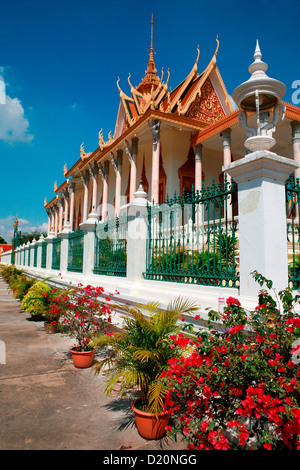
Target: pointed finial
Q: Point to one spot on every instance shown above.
(121, 92)
(257, 53)
(258, 66)
(151, 44)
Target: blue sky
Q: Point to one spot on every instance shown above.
(60, 61)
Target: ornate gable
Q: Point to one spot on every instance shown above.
(206, 107)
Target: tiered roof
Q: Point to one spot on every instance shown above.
(201, 99)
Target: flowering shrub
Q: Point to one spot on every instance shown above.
(239, 387)
(85, 311)
(34, 301)
(55, 307)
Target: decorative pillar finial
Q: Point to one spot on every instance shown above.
(260, 94)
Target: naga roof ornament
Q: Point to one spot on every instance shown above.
(103, 144)
(83, 154)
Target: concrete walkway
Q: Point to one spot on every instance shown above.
(48, 404)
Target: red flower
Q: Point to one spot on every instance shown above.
(232, 301)
(267, 446)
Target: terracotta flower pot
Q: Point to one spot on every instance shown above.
(50, 328)
(82, 359)
(149, 425)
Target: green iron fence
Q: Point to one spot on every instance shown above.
(111, 247)
(193, 237)
(35, 256)
(75, 251)
(44, 255)
(56, 253)
(293, 235)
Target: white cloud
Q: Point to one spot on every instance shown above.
(14, 127)
(43, 228)
(7, 227)
(75, 106)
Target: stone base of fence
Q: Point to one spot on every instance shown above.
(143, 290)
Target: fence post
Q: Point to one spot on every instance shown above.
(88, 228)
(64, 248)
(39, 251)
(137, 235)
(26, 248)
(261, 177)
(49, 241)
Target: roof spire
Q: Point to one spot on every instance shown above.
(151, 65)
(151, 44)
(151, 79)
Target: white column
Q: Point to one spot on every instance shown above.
(71, 190)
(60, 205)
(85, 181)
(52, 219)
(132, 156)
(55, 220)
(296, 144)
(49, 221)
(66, 208)
(93, 169)
(155, 131)
(198, 167)
(198, 178)
(261, 177)
(104, 173)
(117, 164)
(226, 161)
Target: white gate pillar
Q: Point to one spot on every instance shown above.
(137, 235)
(261, 178)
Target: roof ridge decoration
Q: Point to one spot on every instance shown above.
(193, 73)
(103, 144)
(83, 154)
(182, 109)
(124, 98)
(137, 97)
(159, 93)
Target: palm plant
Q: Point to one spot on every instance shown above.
(139, 353)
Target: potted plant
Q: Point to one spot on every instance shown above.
(137, 356)
(85, 312)
(34, 302)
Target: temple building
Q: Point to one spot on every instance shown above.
(169, 140)
(153, 142)
(193, 167)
